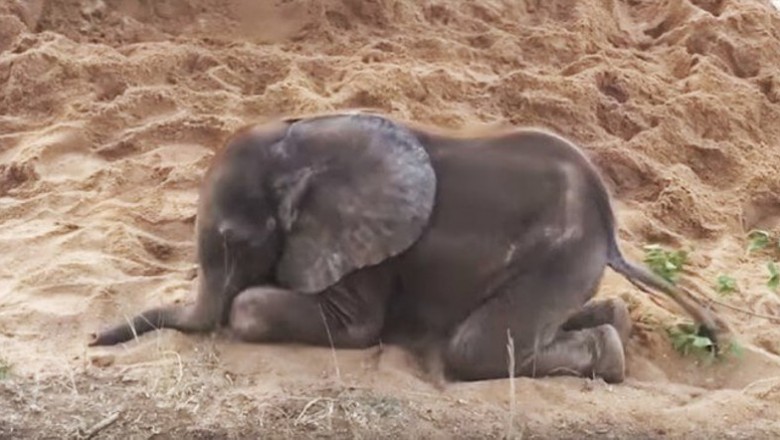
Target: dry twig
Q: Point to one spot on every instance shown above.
(99, 426)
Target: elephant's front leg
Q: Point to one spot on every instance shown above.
(338, 316)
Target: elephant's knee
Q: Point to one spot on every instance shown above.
(364, 334)
(248, 317)
(350, 322)
(462, 353)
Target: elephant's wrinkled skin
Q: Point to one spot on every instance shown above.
(379, 228)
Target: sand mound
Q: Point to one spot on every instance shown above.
(111, 109)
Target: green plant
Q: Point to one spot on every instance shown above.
(725, 285)
(758, 240)
(667, 264)
(687, 339)
(5, 369)
(774, 276)
(735, 349)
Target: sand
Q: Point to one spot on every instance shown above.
(110, 110)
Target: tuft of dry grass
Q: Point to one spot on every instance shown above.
(5, 369)
(511, 368)
(510, 348)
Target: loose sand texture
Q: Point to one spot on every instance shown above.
(110, 111)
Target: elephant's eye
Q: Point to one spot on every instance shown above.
(270, 224)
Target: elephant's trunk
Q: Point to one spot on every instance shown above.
(183, 318)
(203, 316)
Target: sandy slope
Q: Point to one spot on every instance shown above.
(111, 109)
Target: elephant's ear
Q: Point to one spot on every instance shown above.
(356, 189)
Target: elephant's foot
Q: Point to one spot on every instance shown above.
(610, 360)
(613, 311)
(592, 352)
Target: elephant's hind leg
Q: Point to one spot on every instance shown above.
(269, 314)
(533, 308)
(613, 311)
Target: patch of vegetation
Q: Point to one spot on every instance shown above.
(758, 240)
(762, 240)
(5, 369)
(667, 264)
(774, 276)
(725, 285)
(688, 339)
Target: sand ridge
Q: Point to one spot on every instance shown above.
(111, 109)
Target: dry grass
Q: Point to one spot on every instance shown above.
(511, 368)
(5, 368)
(198, 399)
(185, 395)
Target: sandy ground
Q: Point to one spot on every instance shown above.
(111, 109)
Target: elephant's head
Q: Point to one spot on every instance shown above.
(300, 204)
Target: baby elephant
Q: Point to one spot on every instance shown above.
(347, 229)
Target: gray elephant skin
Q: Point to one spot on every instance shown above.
(352, 228)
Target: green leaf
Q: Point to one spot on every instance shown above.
(686, 340)
(758, 240)
(701, 342)
(735, 348)
(774, 276)
(725, 285)
(666, 264)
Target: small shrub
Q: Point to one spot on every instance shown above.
(725, 285)
(774, 276)
(667, 264)
(5, 369)
(758, 240)
(687, 339)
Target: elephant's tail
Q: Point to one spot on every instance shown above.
(639, 275)
(644, 279)
(177, 317)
